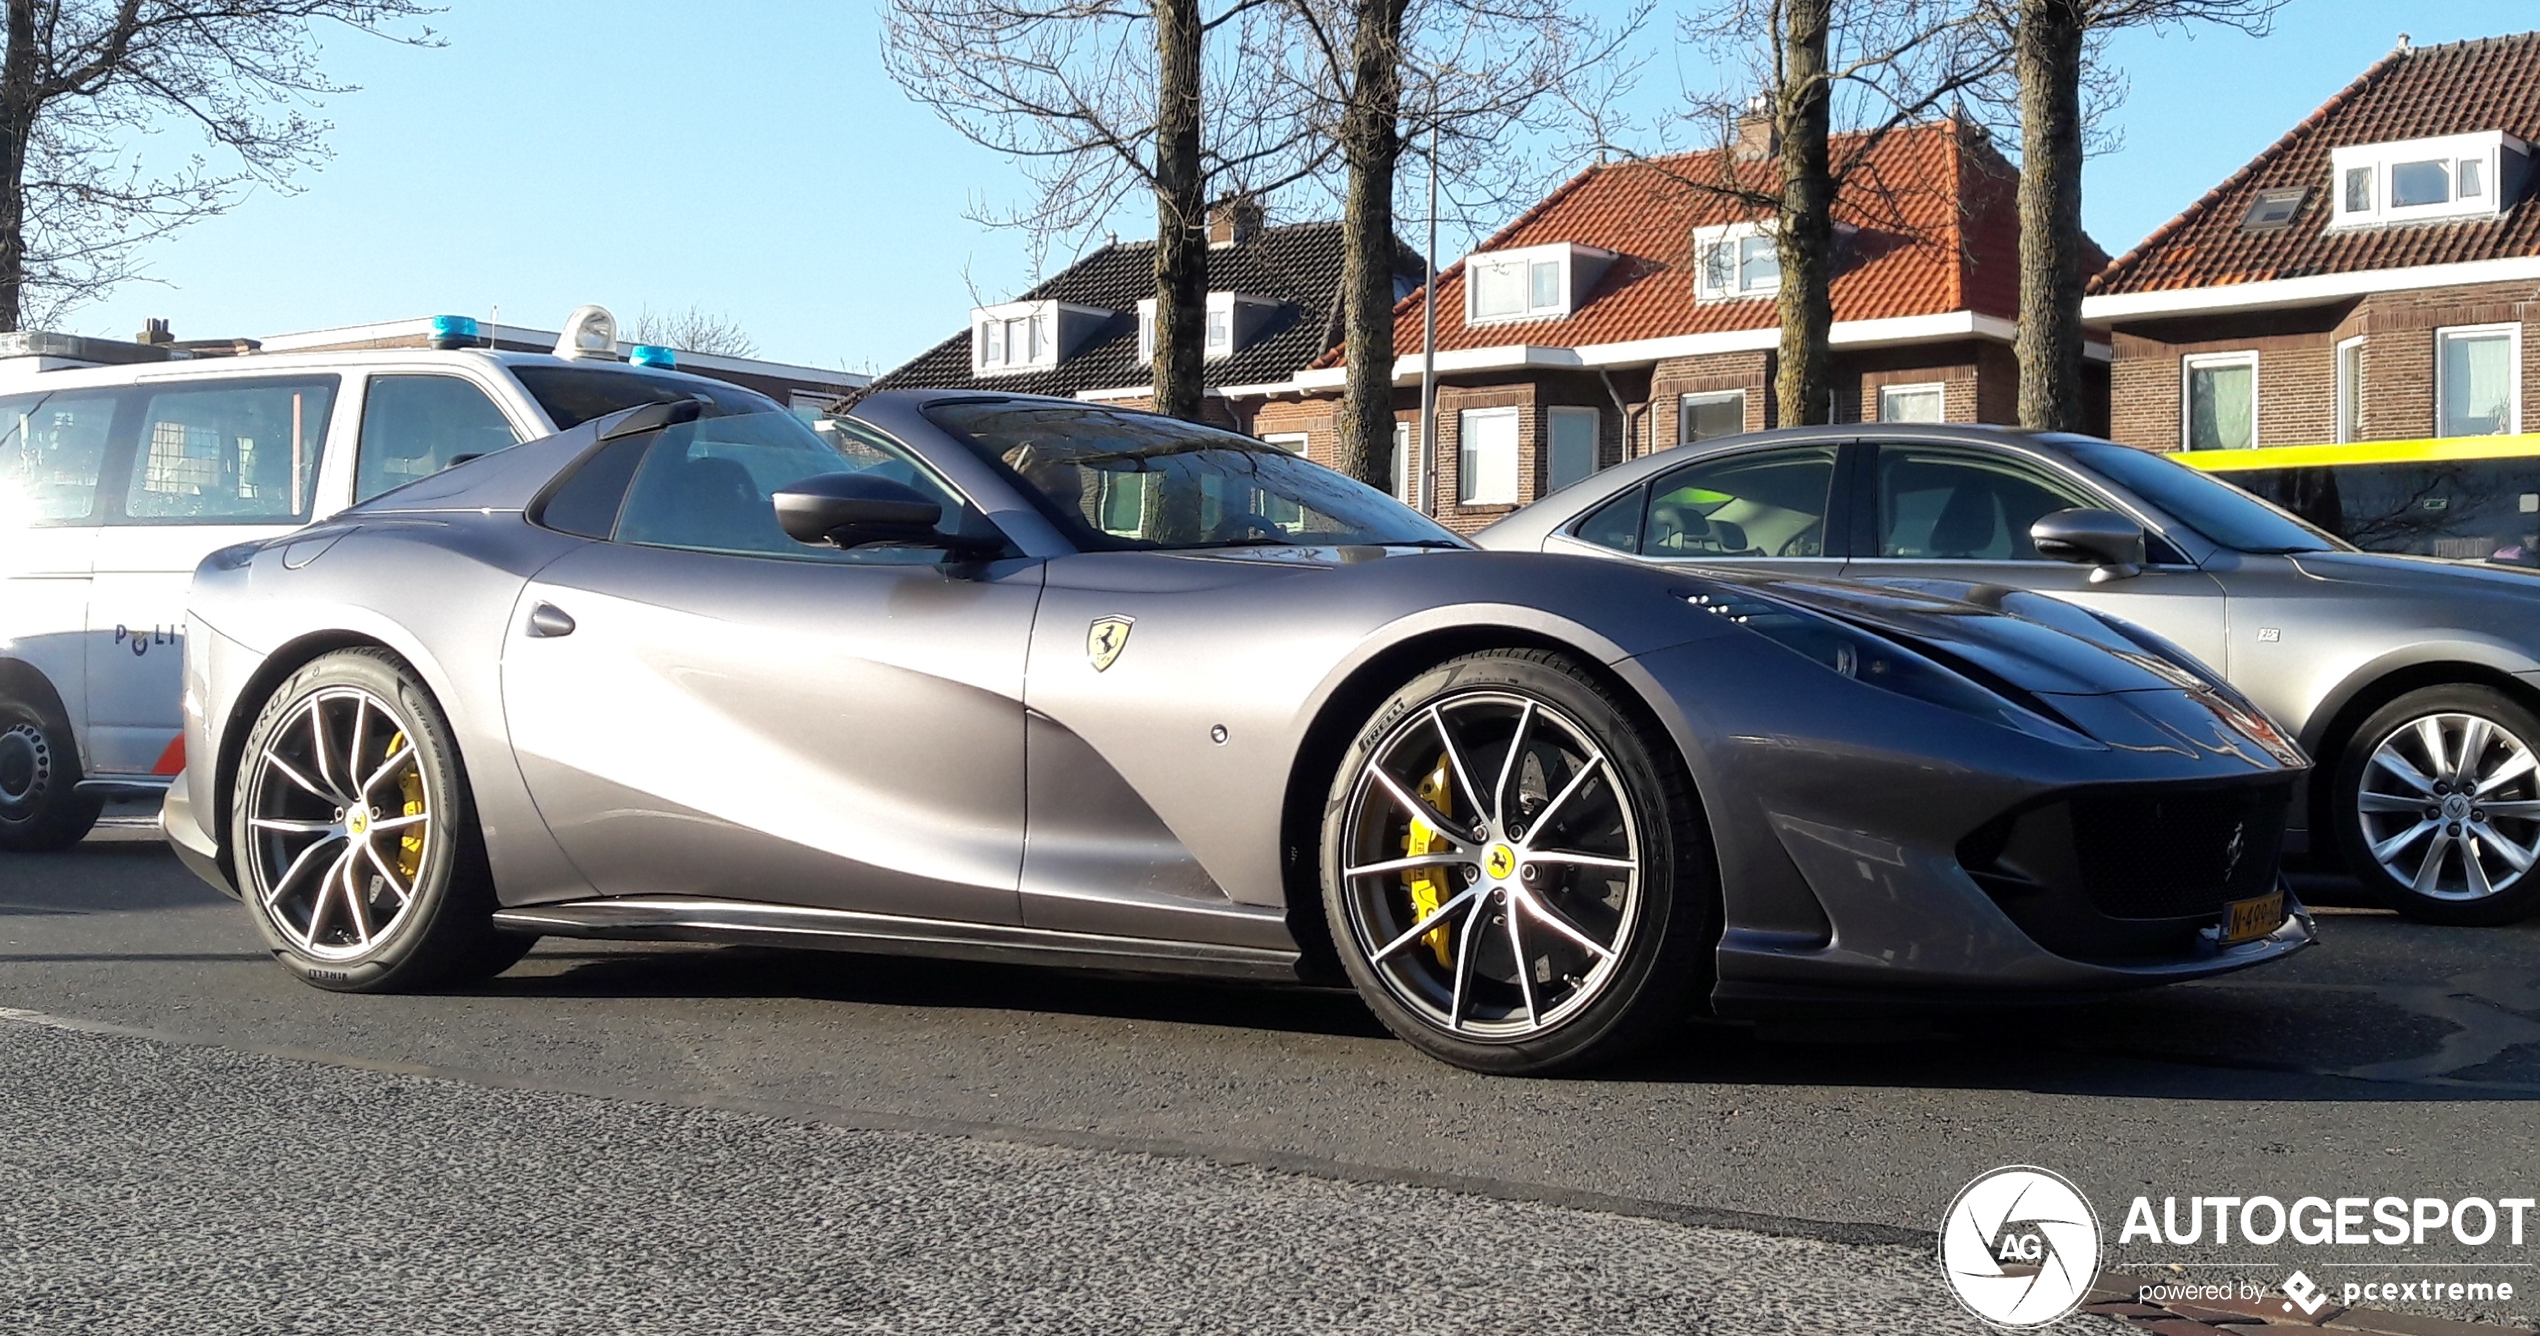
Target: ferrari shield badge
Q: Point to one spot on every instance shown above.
(1106, 638)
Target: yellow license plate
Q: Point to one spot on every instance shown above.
(2246, 920)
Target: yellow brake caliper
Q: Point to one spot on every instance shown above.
(409, 840)
(1428, 884)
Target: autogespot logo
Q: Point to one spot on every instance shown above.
(2020, 1246)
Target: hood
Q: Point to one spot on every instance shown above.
(2028, 640)
(2395, 571)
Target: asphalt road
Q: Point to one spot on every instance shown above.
(692, 1138)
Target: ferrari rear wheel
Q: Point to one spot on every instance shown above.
(1515, 873)
(353, 836)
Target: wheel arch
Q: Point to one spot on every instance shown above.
(2375, 687)
(23, 681)
(1346, 705)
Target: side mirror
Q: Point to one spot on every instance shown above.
(2100, 538)
(861, 510)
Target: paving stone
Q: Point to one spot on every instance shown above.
(2410, 1324)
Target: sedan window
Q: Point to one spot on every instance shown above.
(2212, 507)
(1771, 504)
(1956, 505)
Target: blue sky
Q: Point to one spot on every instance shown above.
(751, 157)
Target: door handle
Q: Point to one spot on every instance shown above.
(547, 620)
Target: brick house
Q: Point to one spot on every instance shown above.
(1630, 311)
(2372, 275)
(1087, 332)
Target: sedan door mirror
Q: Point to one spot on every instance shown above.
(852, 510)
(2099, 538)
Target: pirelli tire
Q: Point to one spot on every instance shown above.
(1516, 871)
(354, 838)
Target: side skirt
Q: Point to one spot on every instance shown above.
(685, 919)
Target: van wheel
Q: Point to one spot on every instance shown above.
(356, 843)
(2437, 804)
(40, 806)
(1516, 871)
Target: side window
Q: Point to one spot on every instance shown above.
(52, 450)
(229, 452)
(1937, 504)
(707, 485)
(1616, 524)
(416, 426)
(1771, 504)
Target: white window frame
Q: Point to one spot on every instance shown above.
(1294, 442)
(1711, 397)
(1406, 479)
(2513, 378)
(1933, 387)
(2347, 384)
(1039, 330)
(2492, 150)
(1704, 238)
(1577, 267)
(1466, 474)
(2194, 362)
(1552, 437)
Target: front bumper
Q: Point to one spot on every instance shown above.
(185, 835)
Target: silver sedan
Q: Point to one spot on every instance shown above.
(2414, 682)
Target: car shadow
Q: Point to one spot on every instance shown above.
(2326, 1043)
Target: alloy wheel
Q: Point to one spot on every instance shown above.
(340, 823)
(2450, 806)
(1492, 868)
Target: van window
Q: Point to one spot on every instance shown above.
(229, 452)
(416, 426)
(52, 449)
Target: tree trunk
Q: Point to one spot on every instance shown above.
(2048, 48)
(1371, 142)
(1803, 379)
(18, 106)
(1181, 213)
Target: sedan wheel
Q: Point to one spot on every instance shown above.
(2441, 798)
(356, 851)
(1506, 868)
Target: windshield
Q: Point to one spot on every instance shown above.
(2214, 508)
(573, 395)
(1116, 480)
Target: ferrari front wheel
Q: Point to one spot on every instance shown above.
(1515, 868)
(350, 826)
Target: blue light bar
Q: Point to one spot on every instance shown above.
(649, 354)
(454, 331)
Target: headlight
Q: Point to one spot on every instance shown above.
(1873, 661)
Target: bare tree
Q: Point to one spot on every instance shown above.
(1831, 80)
(694, 330)
(1100, 101)
(1470, 76)
(2054, 44)
(80, 80)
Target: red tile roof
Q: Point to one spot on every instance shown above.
(1917, 251)
(2492, 83)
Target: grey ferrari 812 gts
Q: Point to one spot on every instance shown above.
(1023, 679)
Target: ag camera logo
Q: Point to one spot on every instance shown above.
(2020, 1246)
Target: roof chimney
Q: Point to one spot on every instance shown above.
(1234, 223)
(154, 331)
(1753, 135)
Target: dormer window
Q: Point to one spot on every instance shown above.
(2449, 176)
(1029, 336)
(1735, 261)
(1531, 283)
(1232, 322)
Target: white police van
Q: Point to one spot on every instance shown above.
(123, 465)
